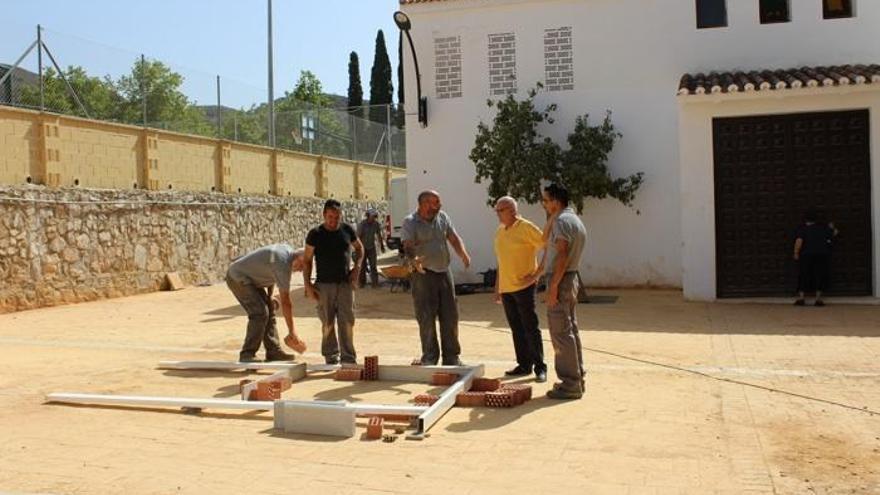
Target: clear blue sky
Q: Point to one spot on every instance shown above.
(204, 38)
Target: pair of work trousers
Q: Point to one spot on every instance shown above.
(261, 319)
(336, 311)
(370, 263)
(562, 318)
(519, 307)
(433, 299)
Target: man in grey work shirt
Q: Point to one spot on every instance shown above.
(564, 248)
(369, 231)
(425, 233)
(251, 279)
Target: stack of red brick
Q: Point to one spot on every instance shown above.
(491, 393)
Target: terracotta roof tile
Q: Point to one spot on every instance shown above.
(772, 80)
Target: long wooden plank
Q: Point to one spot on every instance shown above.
(145, 401)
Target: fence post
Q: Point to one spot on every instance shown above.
(143, 88)
(388, 134)
(40, 65)
(219, 112)
(322, 181)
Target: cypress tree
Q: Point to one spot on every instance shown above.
(355, 91)
(381, 89)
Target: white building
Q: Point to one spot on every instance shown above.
(731, 160)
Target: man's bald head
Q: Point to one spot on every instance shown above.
(429, 204)
(507, 202)
(427, 194)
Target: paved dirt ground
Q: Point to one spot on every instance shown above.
(682, 398)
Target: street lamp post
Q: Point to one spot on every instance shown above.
(404, 24)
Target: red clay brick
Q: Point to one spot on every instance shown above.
(470, 399)
(349, 374)
(394, 418)
(443, 378)
(375, 427)
(428, 399)
(485, 384)
(501, 398)
(284, 383)
(371, 368)
(521, 393)
(266, 391)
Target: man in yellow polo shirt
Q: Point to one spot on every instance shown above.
(517, 243)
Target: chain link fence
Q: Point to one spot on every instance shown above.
(87, 79)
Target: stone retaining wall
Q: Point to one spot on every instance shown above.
(71, 245)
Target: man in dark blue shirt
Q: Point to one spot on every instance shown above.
(812, 251)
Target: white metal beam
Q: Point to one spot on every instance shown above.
(147, 401)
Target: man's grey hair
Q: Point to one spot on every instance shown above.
(507, 200)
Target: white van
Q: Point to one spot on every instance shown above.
(398, 209)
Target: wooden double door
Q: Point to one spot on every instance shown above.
(769, 170)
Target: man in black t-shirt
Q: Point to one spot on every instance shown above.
(330, 245)
(812, 251)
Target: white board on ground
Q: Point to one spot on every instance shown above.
(315, 418)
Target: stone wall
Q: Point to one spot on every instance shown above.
(70, 245)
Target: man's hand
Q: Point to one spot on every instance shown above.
(497, 298)
(295, 343)
(796, 256)
(353, 277)
(466, 259)
(311, 292)
(530, 278)
(552, 297)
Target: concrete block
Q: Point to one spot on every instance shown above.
(316, 418)
(173, 281)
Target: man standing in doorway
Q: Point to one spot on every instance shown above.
(251, 279)
(517, 242)
(564, 248)
(370, 233)
(425, 233)
(330, 244)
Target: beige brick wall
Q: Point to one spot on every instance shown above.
(62, 151)
(373, 182)
(97, 155)
(299, 174)
(340, 178)
(186, 163)
(19, 146)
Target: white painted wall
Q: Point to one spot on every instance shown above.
(697, 169)
(628, 57)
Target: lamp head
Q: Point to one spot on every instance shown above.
(402, 21)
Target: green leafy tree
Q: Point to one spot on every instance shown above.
(97, 95)
(381, 89)
(167, 106)
(516, 160)
(308, 99)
